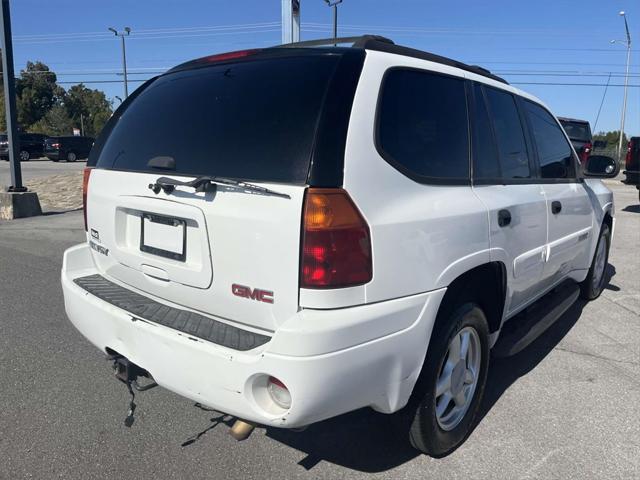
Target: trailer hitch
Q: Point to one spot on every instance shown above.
(128, 372)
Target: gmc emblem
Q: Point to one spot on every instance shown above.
(254, 294)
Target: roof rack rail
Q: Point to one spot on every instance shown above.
(360, 41)
(383, 44)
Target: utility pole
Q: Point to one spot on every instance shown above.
(627, 43)
(123, 34)
(8, 78)
(81, 125)
(290, 21)
(334, 4)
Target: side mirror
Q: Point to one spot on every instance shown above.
(600, 166)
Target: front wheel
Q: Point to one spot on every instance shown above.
(592, 286)
(24, 156)
(452, 382)
(71, 157)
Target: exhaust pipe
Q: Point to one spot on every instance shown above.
(241, 429)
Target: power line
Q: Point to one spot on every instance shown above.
(150, 31)
(601, 103)
(572, 84)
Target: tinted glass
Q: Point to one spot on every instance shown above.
(423, 127)
(485, 154)
(577, 130)
(554, 152)
(252, 120)
(514, 160)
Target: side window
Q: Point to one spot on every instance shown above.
(422, 125)
(512, 147)
(554, 152)
(485, 154)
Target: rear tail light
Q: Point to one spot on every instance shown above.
(585, 152)
(627, 159)
(336, 243)
(279, 393)
(55, 145)
(85, 190)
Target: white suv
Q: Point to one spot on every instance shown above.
(289, 234)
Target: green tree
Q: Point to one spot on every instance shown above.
(87, 107)
(612, 138)
(36, 93)
(55, 122)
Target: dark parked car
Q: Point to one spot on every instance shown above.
(632, 163)
(31, 146)
(69, 148)
(579, 132)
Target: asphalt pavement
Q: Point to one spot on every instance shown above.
(566, 407)
(37, 168)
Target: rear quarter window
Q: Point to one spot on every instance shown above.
(253, 120)
(422, 126)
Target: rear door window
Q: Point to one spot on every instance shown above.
(512, 147)
(423, 126)
(486, 163)
(554, 152)
(253, 120)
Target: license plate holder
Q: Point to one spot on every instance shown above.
(163, 236)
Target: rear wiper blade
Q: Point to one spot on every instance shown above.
(204, 184)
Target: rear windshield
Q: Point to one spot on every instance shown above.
(577, 130)
(253, 120)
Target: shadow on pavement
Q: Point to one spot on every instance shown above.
(59, 212)
(372, 442)
(632, 208)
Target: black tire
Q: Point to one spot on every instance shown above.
(589, 290)
(426, 433)
(71, 156)
(24, 155)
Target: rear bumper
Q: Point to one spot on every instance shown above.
(332, 361)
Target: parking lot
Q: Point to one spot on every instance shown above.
(38, 168)
(566, 407)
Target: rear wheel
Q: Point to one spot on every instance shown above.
(71, 157)
(593, 285)
(452, 382)
(24, 156)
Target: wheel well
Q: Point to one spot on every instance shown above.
(608, 219)
(485, 285)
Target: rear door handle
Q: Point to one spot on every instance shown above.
(504, 218)
(556, 207)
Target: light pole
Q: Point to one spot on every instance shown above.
(626, 43)
(10, 100)
(334, 4)
(126, 33)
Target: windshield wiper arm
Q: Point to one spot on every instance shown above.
(204, 183)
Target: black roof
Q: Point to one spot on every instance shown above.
(575, 120)
(383, 44)
(335, 45)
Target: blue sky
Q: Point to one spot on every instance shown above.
(541, 41)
